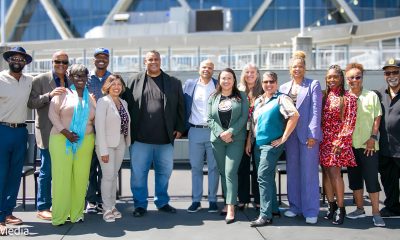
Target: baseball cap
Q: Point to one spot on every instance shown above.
(391, 62)
(101, 51)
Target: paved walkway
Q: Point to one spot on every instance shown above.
(201, 225)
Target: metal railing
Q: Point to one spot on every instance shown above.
(188, 59)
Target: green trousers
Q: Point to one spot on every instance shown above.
(70, 174)
(228, 157)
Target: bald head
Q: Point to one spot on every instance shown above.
(206, 70)
(60, 63)
(59, 53)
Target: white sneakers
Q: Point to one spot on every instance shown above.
(290, 214)
(309, 220)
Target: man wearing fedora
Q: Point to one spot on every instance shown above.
(389, 141)
(44, 87)
(95, 82)
(15, 88)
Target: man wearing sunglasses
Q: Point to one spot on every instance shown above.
(389, 141)
(97, 78)
(44, 87)
(15, 87)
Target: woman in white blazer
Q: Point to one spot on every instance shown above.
(112, 124)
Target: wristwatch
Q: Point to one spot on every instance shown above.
(375, 137)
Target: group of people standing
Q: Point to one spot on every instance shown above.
(85, 121)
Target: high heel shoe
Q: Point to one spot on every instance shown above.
(332, 207)
(230, 220)
(339, 217)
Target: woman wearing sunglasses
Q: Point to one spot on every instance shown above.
(365, 145)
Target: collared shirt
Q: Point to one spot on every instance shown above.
(14, 97)
(198, 114)
(389, 130)
(95, 83)
(368, 108)
(57, 80)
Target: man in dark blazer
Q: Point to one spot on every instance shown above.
(156, 106)
(44, 87)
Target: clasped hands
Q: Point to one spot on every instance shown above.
(226, 137)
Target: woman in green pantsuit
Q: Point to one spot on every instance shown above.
(227, 117)
(71, 147)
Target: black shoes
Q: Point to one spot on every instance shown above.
(339, 217)
(332, 207)
(229, 220)
(387, 213)
(260, 222)
(167, 208)
(139, 212)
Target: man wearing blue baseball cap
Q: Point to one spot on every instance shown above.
(15, 88)
(95, 83)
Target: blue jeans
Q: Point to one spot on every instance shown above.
(12, 157)
(142, 156)
(266, 157)
(44, 181)
(200, 148)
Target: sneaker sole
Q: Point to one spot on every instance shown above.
(356, 217)
(193, 211)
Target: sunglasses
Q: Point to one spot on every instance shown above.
(388, 73)
(269, 81)
(354, 78)
(16, 59)
(64, 62)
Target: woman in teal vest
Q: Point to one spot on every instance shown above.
(273, 120)
(227, 117)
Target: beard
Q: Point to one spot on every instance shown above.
(393, 81)
(15, 67)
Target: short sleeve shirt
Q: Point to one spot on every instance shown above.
(368, 108)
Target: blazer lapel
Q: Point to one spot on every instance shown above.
(138, 90)
(167, 89)
(302, 92)
(52, 81)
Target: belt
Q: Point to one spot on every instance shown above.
(13, 125)
(198, 126)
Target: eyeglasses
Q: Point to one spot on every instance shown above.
(354, 78)
(388, 73)
(76, 76)
(64, 62)
(17, 59)
(269, 81)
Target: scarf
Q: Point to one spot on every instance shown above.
(79, 119)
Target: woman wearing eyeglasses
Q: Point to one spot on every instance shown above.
(112, 137)
(302, 147)
(71, 147)
(273, 120)
(338, 121)
(365, 145)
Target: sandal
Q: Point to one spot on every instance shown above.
(108, 216)
(117, 214)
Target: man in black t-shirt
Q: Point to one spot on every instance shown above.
(156, 106)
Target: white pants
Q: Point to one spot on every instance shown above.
(110, 173)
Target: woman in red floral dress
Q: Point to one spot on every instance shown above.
(338, 122)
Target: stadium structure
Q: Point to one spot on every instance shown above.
(229, 32)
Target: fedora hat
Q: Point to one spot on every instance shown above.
(17, 50)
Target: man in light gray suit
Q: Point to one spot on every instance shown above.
(44, 87)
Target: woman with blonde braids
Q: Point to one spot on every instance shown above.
(302, 147)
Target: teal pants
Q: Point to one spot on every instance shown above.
(228, 157)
